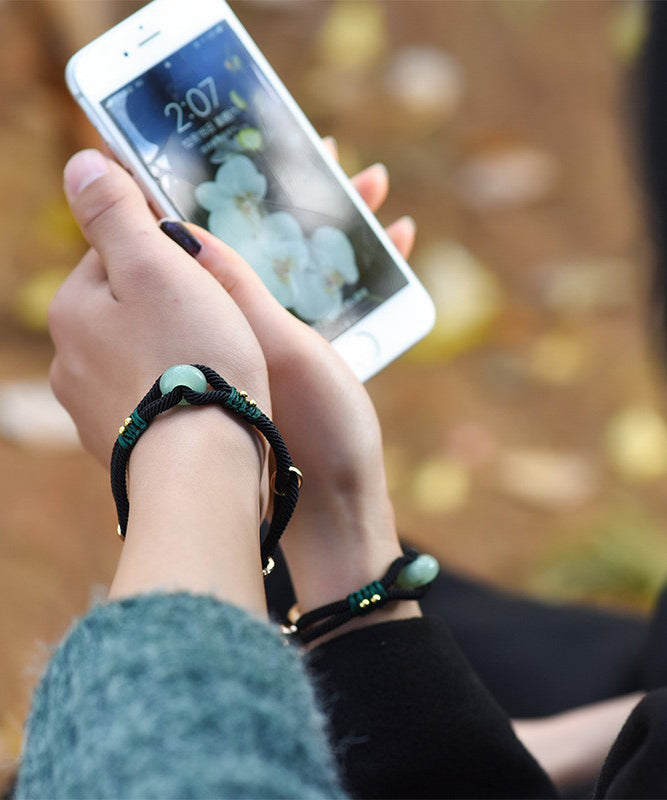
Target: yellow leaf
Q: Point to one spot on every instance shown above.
(440, 486)
(636, 443)
(353, 35)
(467, 297)
(33, 297)
(556, 358)
(628, 28)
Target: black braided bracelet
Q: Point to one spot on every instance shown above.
(285, 484)
(398, 583)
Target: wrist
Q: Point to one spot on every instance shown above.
(194, 480)
(345, 545)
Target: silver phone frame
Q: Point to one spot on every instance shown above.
(111, 61)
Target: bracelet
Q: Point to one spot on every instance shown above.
(408, 578)
(187, 384)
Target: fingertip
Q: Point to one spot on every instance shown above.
(332, 145)
(380, 170)
(180, 234)
(82, 169)
(373, 185)
(403, 233)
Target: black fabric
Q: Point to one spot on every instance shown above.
(656, 651)
(636, 766)
(535, 658)
(538, 658)
(410, 719)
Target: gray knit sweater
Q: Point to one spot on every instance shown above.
(175, 696)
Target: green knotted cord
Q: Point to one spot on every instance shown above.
(367, 598)
(133, 430)
(241, 405)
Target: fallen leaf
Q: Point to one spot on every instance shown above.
(557, 358)
(506, 177)
(425, 80)
(621, 557)
(440, 485)
(467, 297)
(546, 478)
(586, 285)
(636, 443)
(628, 28)
(32, 299)
(354, 35)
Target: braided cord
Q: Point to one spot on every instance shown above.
(227, 396)
(369, 598)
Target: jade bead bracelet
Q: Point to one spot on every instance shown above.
(188, 384)
(407, 578)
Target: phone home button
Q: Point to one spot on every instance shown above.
(361, 351)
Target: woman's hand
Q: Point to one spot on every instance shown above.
(572, 746)
(343, 533)
(135, 305)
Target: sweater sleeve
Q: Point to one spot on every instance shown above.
(173, 696)
(410, 719)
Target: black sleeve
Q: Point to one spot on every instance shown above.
(637, 763)
(410, 719)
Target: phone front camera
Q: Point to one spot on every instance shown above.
(126, 54)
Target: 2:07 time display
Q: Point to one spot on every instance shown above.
(197, 100)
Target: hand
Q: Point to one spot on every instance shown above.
(343, 534)
(572, 746)
(135, 305)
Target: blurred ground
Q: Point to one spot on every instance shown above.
(525, 438)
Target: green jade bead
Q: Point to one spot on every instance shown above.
(183, 375)
(420, 572)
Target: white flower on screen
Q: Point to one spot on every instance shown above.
(276, 250)
(238, 186)
(331, 265)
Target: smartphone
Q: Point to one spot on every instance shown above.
(189, 105)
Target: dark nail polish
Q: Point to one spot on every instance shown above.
(181, 235)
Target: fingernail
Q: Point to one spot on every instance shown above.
(410, 220)
(82, 169)
(178, 233)
(381, 168)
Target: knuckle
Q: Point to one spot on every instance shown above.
(100, 204)
(56, 313)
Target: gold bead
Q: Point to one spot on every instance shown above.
(121, 430)
(298, 473)
(243, 394)
(251, 402)
(375, 598)
(364, 603)
(268, 569)
(127, 421)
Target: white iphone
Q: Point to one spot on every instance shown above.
(192, 109)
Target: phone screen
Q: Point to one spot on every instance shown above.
(231, 157)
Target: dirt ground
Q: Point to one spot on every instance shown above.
(484, 429)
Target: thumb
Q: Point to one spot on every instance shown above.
(110, 210)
